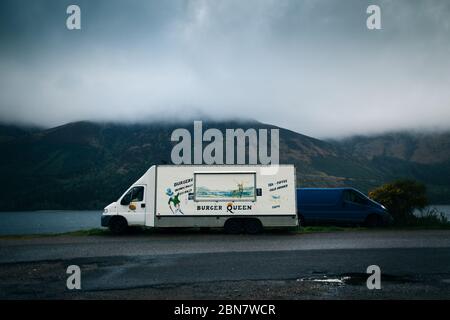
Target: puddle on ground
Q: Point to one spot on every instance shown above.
(324, 279)
(353, 279)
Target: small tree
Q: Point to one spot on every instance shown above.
(401, 198)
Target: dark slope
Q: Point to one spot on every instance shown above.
(86, 165)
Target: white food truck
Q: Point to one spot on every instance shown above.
(240, 198)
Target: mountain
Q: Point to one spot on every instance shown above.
(86, 165)
(423, 148)
(417, 155)
(10, 132)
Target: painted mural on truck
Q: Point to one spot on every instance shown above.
(225, 187)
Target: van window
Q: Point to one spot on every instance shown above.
(138, 194)
(135, 194)
(355, 197)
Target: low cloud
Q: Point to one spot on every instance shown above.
(310, 66)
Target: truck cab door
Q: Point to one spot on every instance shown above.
(132, 206)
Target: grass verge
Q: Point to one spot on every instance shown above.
(302, 230)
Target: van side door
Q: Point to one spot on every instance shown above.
(354, 207)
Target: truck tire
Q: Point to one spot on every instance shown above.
(253, 226)
(233, 226)
(118, 225)
(373, 221)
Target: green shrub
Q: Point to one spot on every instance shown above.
(401, 198)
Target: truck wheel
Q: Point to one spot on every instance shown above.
(233, 226)
(118, 225)
(373, 221)
(253, 226)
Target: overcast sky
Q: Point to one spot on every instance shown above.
(308, 65)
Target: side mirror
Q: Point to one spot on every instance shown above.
(132, 207)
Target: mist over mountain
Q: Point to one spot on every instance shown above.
(86, 165)
(310, 66)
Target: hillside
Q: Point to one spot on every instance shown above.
(423, 148)
(422, 156)
(86, 165)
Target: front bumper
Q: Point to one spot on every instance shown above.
(105, 220)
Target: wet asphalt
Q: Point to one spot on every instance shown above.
(414, 264)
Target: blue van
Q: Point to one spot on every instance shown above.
(339, 206)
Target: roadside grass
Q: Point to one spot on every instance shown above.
(316, 229)
(78, 233)
(430, 225)
(136, 231)
(431, 219)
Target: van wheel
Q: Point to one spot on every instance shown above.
(253, 226)
(233, 226)
(118, 225)
(373, 221)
